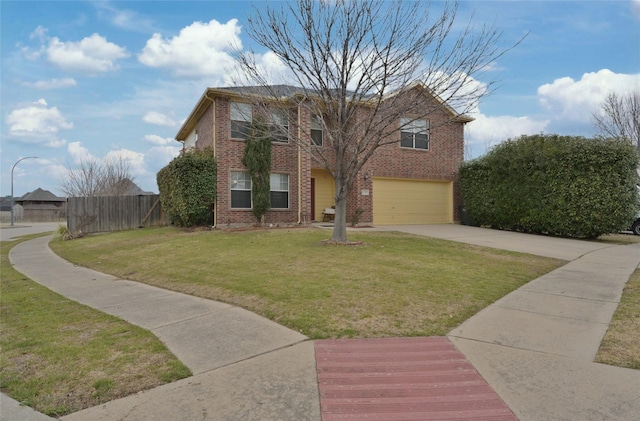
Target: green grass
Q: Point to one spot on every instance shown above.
(59, 356)
(392, 285)
(621, 344)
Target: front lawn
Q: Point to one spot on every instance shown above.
(392, 285)
(59, 356)
(621, 344)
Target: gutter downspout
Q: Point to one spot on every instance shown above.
(299, 168)
(215, 155)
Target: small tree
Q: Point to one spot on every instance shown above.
(350, 55)
(257, 159)
(93, 177)
(619, 116)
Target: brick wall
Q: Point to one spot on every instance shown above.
(440, 162)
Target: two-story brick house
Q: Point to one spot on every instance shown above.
(412, 181)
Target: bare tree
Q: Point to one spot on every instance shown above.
(619, 116)
(93, 177)
(364, 65)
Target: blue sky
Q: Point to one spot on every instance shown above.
(116, 79)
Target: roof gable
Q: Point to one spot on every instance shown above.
(40, 195)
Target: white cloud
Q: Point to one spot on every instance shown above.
(123, 18)
(40, 33)
(566, 108)
(159, 119)
(489, 131)
(93, 54)
(574, 101)
(79, 153)
(52, 83)
(160, 141)
(160, 156)
(135, 159)
(38, 122)
(201, 49)
(635, 8)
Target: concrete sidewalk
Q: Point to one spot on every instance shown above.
(255, 368)
(535, 346)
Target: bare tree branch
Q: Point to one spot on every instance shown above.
(619, 116)
(92, 177)
(362, 66)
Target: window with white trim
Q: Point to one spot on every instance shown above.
(316, 131)
(241, 115)
(240, 190)
(279, 125)
(279, 194)
(414, 134)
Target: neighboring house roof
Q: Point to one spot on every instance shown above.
(40, 195)
(124, 187)
(283, 92)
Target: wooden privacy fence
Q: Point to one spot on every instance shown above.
(113, 213)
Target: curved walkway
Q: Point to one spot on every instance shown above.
(535, 346)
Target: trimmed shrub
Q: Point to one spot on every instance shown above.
(188, 188)
(556, 185)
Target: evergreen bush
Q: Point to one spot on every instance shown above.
(188, 187)
(257, 159)
(556, 185)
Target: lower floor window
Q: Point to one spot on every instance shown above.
(240, 190)
(279, 191)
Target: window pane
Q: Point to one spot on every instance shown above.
(422, 141)
(406, 139)
(241, 112)
(416, 126)
(280, 117)
(279, 182)
(279, 199)
(240, 129)
(241, 199)
(316, 137)
(279, 126)
(316, 123)
(420, 126)
(240, 181)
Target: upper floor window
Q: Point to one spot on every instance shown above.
(280, 125)
(240, 120)
(240, 190)
(279, 191)
(191, 141)
(414, 134)
(316, 131)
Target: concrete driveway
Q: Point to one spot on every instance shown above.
(540, 245)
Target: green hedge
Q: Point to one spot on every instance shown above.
(556, 185)
(188, 188)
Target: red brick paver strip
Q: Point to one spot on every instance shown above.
(392, 379)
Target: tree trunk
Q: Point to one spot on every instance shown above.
(340, 221)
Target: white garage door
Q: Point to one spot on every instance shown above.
(405, 202)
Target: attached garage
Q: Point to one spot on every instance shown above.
(410, 202)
